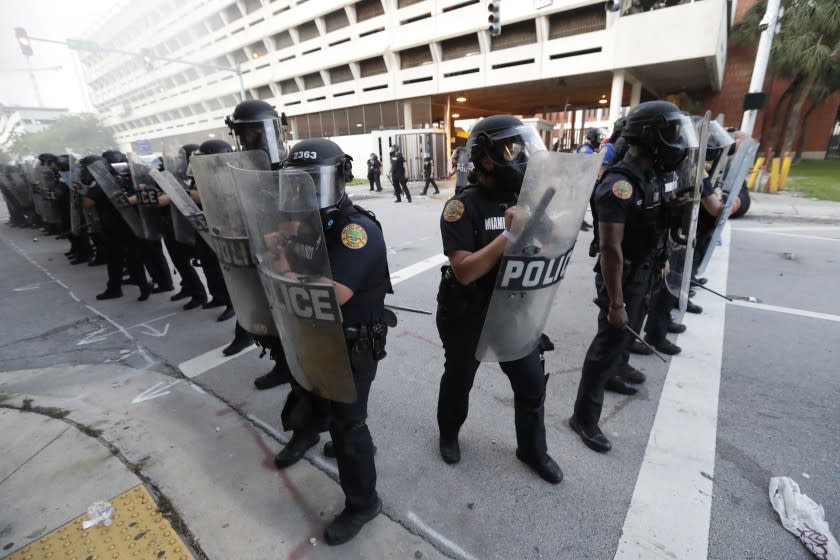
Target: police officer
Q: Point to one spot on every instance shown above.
(180, 253)
(398, 174)
(219, 296)
(460, 162)
(256, 126)
(593, 141)
(358, 261)
(118, 242)
(475, 227)
(428, 174)
(374, 170)
(628, 202)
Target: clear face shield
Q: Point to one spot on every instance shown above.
(512, 146)
(717, 150)
(266, 135)
(328, 180)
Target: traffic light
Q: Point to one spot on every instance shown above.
(24, 41)
(147, 59)
(494, 19)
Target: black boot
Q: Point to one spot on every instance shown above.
(450, 451)
(215, 302)
(195, 302)
(241, 341)
(592, 436)
(619, 385)
(278, 375)
(182, 293)
(348, 524)
(546, 467)
(632, 375)
(295, 449)
(145, 292)
(226, 314)
(109, 294)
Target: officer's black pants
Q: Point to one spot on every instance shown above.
(123, 252)
(180, 255)
(459, 335)
(155, 263)
(348, 429)
(608, 347)
(374, 178)
(430, 180)
(80, 244)
(212, 271)
(401, 186)
(659, 315)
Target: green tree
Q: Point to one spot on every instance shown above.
(806, 50)
(82, 134)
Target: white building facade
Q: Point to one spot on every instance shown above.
(343, 67)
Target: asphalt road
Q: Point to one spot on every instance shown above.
(774, 414)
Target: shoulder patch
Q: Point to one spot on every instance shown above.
(453, 210)
(353, 236)
(622, 189)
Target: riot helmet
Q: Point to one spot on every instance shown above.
(508, 144)
(373, 157)
(211, 147)
(595, 136)
(330, 168)
(663, 130)
(62, 162)
(114, 156)
(85, 176)
(256, 126)
(395, 149)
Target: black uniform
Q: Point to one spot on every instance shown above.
(630, 195)
(428, 175)
(470, 221)
(374, 170)
(362, 266)
(398, 176)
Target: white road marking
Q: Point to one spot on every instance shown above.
(788, 310)
(440, 541)
(670, 512)
(417, 268)
(159, 389)
(794, 235)
(209, 360)
(214, 358)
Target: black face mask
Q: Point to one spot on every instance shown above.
(669, 158)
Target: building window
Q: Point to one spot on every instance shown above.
(459, 47)
(307, 31)
(574, 22)
(313, 80)
(372, 67)
(252, 5)
(340, 74)
(239, 56)
(516, 35)
(257, 49)
(336, 20)
(282, 40)
(232, 13)
(215, 22)
(288, 86)
(418, 56)
(367, 9)
(406, 3)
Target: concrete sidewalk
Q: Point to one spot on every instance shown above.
(791, 206)
(74, 435)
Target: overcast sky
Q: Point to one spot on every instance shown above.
(51, 19)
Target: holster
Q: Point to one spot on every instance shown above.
(456, 298)
(366, 345)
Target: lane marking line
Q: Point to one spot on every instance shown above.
(794, 235)
(670, 512)
(209, 360)
(787, 310)
(417, 268)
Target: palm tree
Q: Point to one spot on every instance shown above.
(806, 50)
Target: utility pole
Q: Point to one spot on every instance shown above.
(769, 28)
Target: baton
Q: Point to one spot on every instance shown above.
(531, 224)
(412, 310)
(698, 285)
(642, 340)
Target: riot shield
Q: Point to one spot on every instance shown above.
(175, 162)
(462, 166)
(733, 182)
(229, 235)
(19, 186)
(187, 218)
(147, 199)
(287, 239)
(76, 216)
(555, 191)
(49, 193)
(116, 195)
(680, 262)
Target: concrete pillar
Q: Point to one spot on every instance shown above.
(407, 122)
(616, 94)
(636, 94)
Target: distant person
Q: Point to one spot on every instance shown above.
(374, 170)
(428, 175)
(398, 174)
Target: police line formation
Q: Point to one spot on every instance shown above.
(306, 274)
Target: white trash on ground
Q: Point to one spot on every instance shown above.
(803, 517)
(98, 512)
